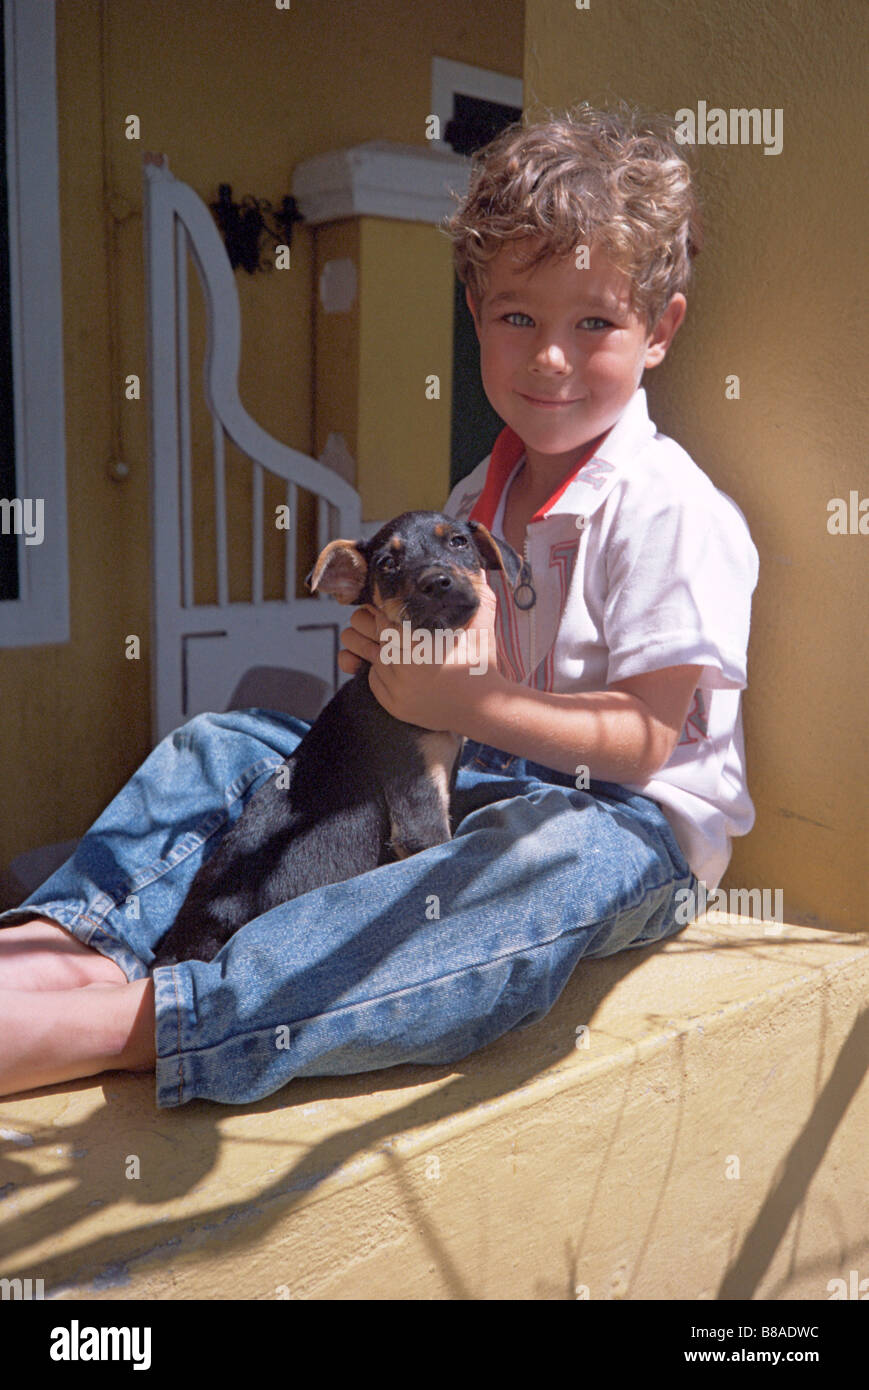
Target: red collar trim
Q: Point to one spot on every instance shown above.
(506, 453)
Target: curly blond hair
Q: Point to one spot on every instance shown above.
(613, 179)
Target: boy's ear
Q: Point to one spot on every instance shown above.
(341, 571)
(665, 330)
(495, 555)
(469, 300)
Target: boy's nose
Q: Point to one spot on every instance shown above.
(551, 356)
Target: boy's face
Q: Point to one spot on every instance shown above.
(562, 334)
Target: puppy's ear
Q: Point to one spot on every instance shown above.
(495, 555)
(342, 572)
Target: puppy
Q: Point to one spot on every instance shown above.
(362, 788)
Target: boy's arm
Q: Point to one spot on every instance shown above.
(622, 734)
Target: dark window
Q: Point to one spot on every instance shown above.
(475, 425)
(475, 122)
(9, 588)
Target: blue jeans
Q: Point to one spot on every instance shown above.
(422, 961)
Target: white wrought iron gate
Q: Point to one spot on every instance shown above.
(200, 651)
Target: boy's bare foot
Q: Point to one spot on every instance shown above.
(40, 954)
(72, 1033)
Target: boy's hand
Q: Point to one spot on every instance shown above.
(436, 695)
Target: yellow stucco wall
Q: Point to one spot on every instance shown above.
(775, 301)
(373, 362)
(336, 343)
(407, 274)
(236, 93)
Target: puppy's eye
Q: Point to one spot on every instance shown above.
(458, 540)
(387, 564)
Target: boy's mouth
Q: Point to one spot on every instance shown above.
(548, 402)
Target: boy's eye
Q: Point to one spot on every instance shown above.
(591, 322)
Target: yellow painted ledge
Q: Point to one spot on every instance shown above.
(708, 1143)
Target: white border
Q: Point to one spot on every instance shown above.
(448, 77)
(41, 613)
(381, 179)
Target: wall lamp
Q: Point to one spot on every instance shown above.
(245, 224)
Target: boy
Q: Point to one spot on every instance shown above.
(604, 770)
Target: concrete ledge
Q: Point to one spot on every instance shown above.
(708, 1142)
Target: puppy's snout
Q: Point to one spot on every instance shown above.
(435, 583)
(441, 598)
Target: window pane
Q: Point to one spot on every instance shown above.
(8, 543)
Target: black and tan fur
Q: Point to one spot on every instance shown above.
(364, 787)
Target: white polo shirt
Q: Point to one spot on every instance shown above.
(637, 562)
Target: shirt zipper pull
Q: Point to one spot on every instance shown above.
(524, 595)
